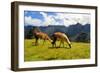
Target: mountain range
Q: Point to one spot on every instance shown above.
(71, 31)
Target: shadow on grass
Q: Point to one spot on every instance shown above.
(33, 44)
(58, 47)
(51, 59)
(50, 47)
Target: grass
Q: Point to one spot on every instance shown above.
(47, 52)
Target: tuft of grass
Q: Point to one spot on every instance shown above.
(47, 52)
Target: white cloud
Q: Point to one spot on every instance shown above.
(32, 21)
(44, 14)
(48, 19)
(65, 19)
(70, 19)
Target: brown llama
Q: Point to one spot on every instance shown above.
(41, 35)
(61, 37)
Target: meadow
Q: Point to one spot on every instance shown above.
(42, 52)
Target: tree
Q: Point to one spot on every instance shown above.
(82, 37)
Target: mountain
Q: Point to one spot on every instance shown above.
(71, 31)
(28, 32)
(86, 28)
(77, 28)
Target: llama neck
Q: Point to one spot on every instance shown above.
(49, 39)
(66, 38)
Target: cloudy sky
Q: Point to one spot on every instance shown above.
(39, 18)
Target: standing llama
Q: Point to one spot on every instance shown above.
(41, 35)
(61, 37)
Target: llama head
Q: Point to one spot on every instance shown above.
(70, 45)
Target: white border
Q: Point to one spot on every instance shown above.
(23, 64)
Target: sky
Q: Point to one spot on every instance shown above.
(40, 18)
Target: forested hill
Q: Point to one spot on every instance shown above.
(71, 31)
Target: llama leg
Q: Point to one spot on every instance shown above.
(43, 42)
(60, 43)
(53, 44)
(63, 43)
(36, 42)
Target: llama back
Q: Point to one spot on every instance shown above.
(62, 36)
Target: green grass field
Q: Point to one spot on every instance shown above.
(47, 52)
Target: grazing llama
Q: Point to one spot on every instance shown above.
(61, 37)
(41, 35)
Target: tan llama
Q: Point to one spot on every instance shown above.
(41, 35)
(61, 37)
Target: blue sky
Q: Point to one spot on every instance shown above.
(40, 18)
(35, 14)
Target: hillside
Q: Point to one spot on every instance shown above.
(71, 31)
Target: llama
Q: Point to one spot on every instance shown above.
(41, 35)
(61, 37)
